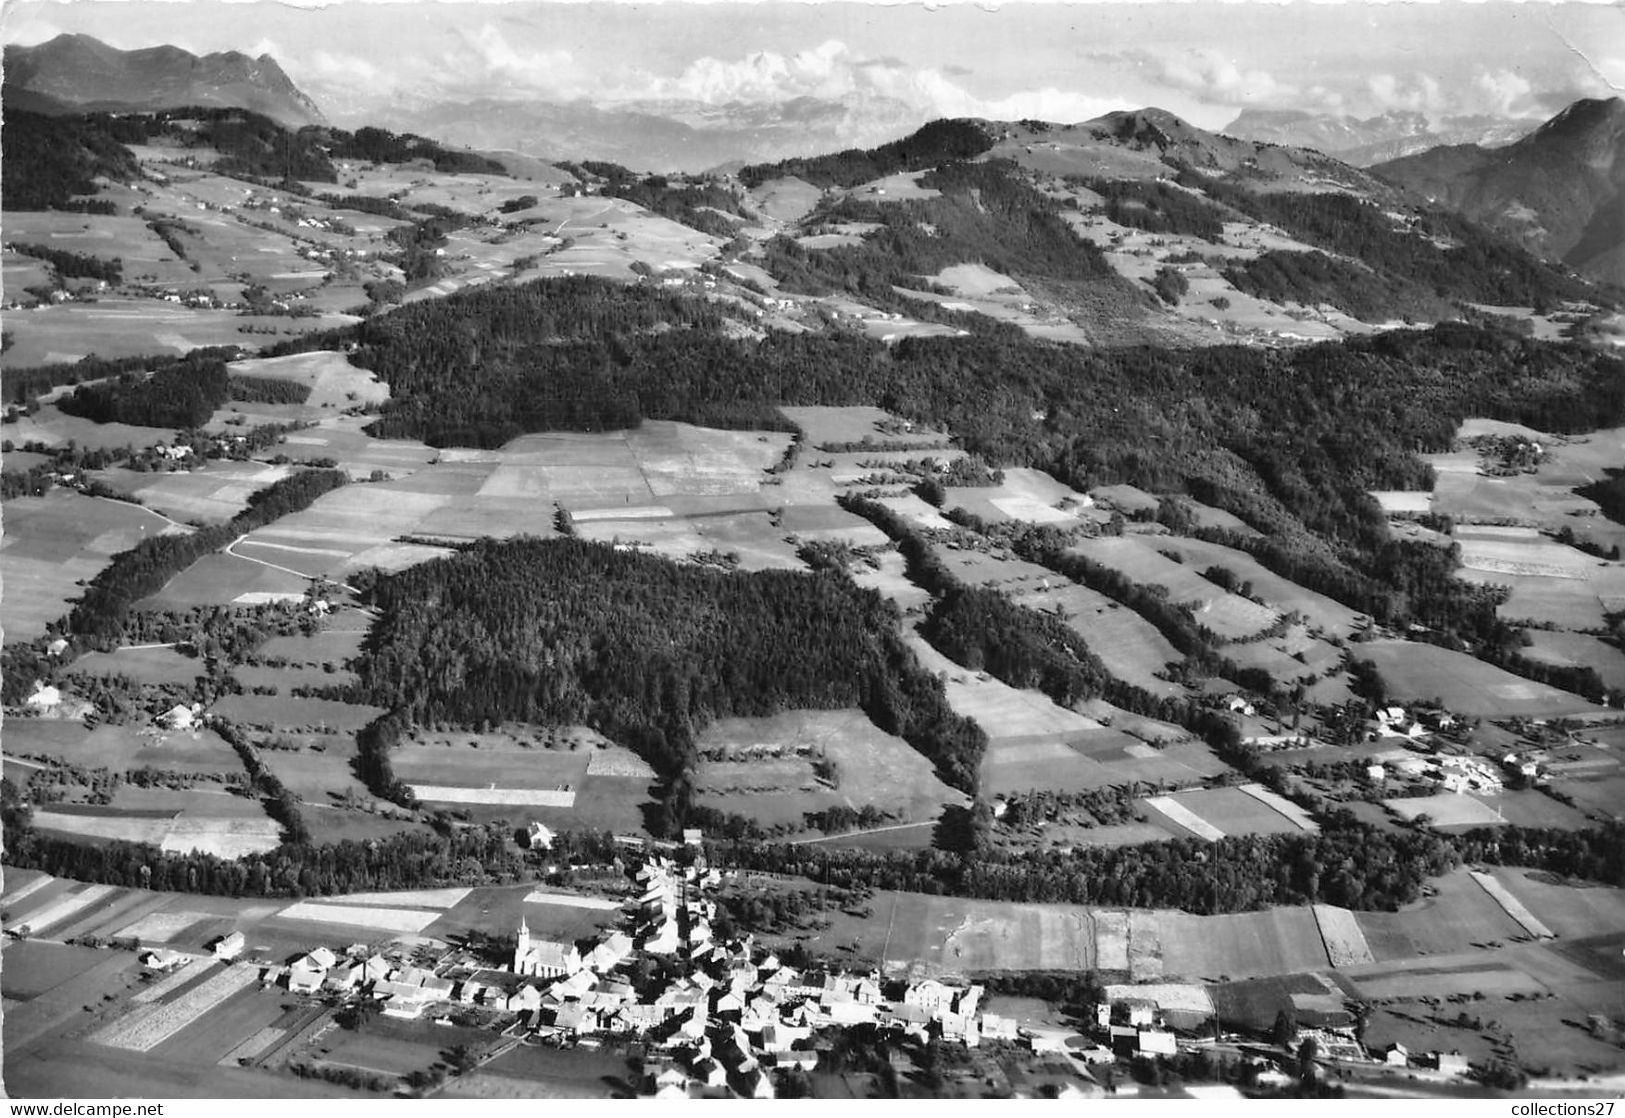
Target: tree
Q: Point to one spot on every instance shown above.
(1308, 1051)
(1285, 1030)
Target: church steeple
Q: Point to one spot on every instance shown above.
(521, 947)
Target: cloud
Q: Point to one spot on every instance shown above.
(1207, 74)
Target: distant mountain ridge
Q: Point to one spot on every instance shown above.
(79, 73)
(658, 136)
(1376, 139)
(1559, 191)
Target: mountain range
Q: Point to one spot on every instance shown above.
(1556, 191)
(1559, 191)
(1376, 139)
(660, 135)
(78, 73)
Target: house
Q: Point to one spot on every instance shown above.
(375, 969)
(44, 698)
(1396, 1055)
(867, 992)
(1450, 1063)
(164, 959)
(782, 1038)
(968, 1000)
(929, 994)
(179, 717)
(995, 1027)
(347, 977)
(305, 979)
(1141, 1014)
(693, 836)
(709, 1072)
(57, 647)
(320, 959)
(1155, 1042)
(541, 837)
(1375, 773)
(229, 946)
(543, 958)
(851, 1013)
(610, 953)
(576, 1019)
(525, 998)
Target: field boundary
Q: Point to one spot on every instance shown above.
(1186, 818)
(1341, 935)
(1512, 906)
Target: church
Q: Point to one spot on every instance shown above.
(543, 958)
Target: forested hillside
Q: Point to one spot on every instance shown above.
(1292, 441)
(646, 650)
(936, 143)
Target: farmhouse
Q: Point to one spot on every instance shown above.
(305, 979)
(229, 946)
(44, 698)
(541, 837)
(164, 959)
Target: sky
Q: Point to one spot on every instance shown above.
(1204, 60)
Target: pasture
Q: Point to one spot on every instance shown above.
(1421, 672)
(1137, 558)
(129, 326)
(1457, 915)
(223, 578)
(157, 665)
(1274, 941)
(867, 765)
(216, 492)
(53, 542)
(1131, 647)
(120, 747)
(332, 380)
(1578, 650)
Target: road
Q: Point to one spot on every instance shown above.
(230, 550)
(870, 831)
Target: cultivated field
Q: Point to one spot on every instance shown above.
(1274, 941)
(869, 767)
(52, 543)
(1345, 943)
(215, 492)
(1459, 915)
(1421, 672)
(1228, 615)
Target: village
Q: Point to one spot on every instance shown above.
(711, 1017)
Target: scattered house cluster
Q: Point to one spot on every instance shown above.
(181, 716)
(1464, 774)
(1396, 722)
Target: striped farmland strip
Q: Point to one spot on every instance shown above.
(63, 908)
(1186, 818)
(148, 1027)
(1513, 906)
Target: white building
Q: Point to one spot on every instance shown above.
(543, 958)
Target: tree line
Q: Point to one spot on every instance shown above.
(935, 143)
